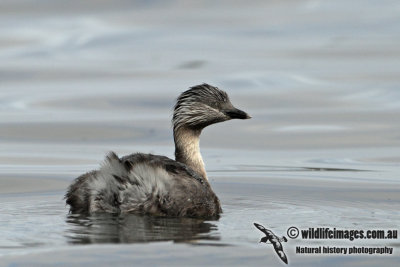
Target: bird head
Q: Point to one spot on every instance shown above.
(203, 105)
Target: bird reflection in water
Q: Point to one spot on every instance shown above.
(131, 228)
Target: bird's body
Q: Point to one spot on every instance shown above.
(144, 183)
(157, 185)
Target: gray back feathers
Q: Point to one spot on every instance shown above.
(143, 183)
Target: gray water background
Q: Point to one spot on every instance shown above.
(320, 79)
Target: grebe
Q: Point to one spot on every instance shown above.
(157, 185)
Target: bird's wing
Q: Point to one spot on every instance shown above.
(279, 250)
(261, 228)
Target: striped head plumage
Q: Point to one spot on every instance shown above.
(203, 105)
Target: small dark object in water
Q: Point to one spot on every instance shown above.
(157, 185)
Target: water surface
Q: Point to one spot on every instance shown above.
(322, 150)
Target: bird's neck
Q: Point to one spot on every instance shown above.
(187, 149)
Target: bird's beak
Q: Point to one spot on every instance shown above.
(235, 113)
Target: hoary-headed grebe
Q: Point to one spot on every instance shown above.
(157, 185)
